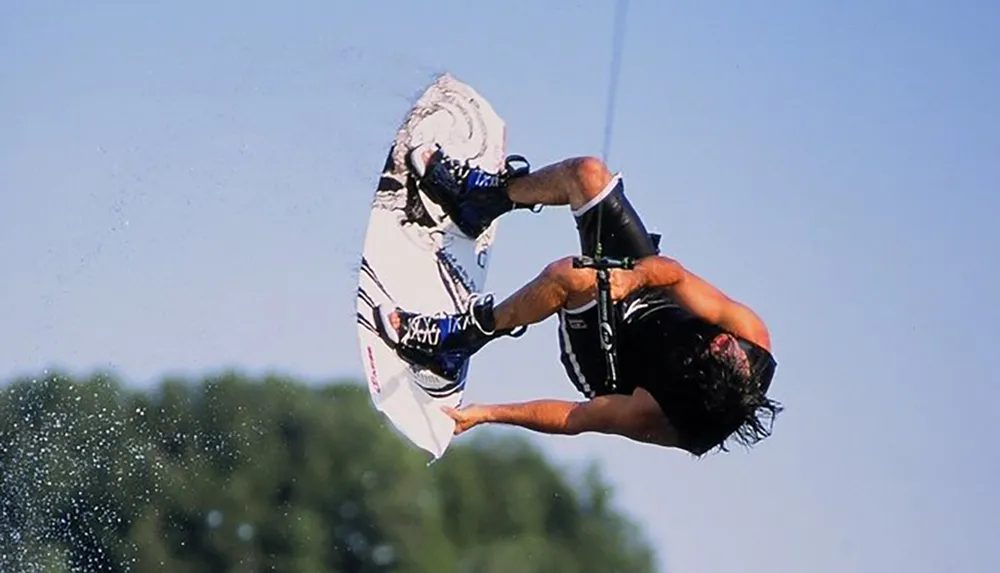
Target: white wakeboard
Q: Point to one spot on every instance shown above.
(414, 257)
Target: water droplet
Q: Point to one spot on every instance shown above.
(383, 554)
(214, 518)
(245, 531)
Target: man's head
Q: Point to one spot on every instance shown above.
(712, 385)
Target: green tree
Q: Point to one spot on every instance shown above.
(238, 474)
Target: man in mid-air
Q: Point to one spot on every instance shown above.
(694, 366)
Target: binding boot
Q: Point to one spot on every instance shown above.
(442, 343)
(472, 197)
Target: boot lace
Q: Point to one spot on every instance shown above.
(471, 176)
(430, 330)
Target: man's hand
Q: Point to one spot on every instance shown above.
(648, 271)
(466, 418)
(624, 282)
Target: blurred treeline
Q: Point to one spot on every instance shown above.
(230, 473)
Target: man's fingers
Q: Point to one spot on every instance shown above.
(617, 284)
(463, 419)
(455, 415)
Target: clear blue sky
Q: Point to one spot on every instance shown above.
(184, 187)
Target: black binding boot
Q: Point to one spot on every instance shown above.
(472, 197)
(442, 343)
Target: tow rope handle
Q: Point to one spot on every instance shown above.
(606, 327)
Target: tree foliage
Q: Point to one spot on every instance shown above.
(237, 474)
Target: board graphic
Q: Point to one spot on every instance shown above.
(415, 258)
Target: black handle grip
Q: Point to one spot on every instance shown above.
(602, 263)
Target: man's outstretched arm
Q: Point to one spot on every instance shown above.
(637, 417)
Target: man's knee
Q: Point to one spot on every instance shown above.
(559, 270)
(573, 281)
(592, 176)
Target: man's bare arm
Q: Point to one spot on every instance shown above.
(698, 296)
(703, 299)
(637, 417)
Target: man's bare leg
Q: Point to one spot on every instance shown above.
(574, 182)
(570, 182)
(556, 286)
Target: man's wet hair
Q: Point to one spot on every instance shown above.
(709, 399)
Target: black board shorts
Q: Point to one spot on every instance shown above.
(623, 234)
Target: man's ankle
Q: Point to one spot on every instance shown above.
(483, 315)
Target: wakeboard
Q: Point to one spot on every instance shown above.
(416, 258)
